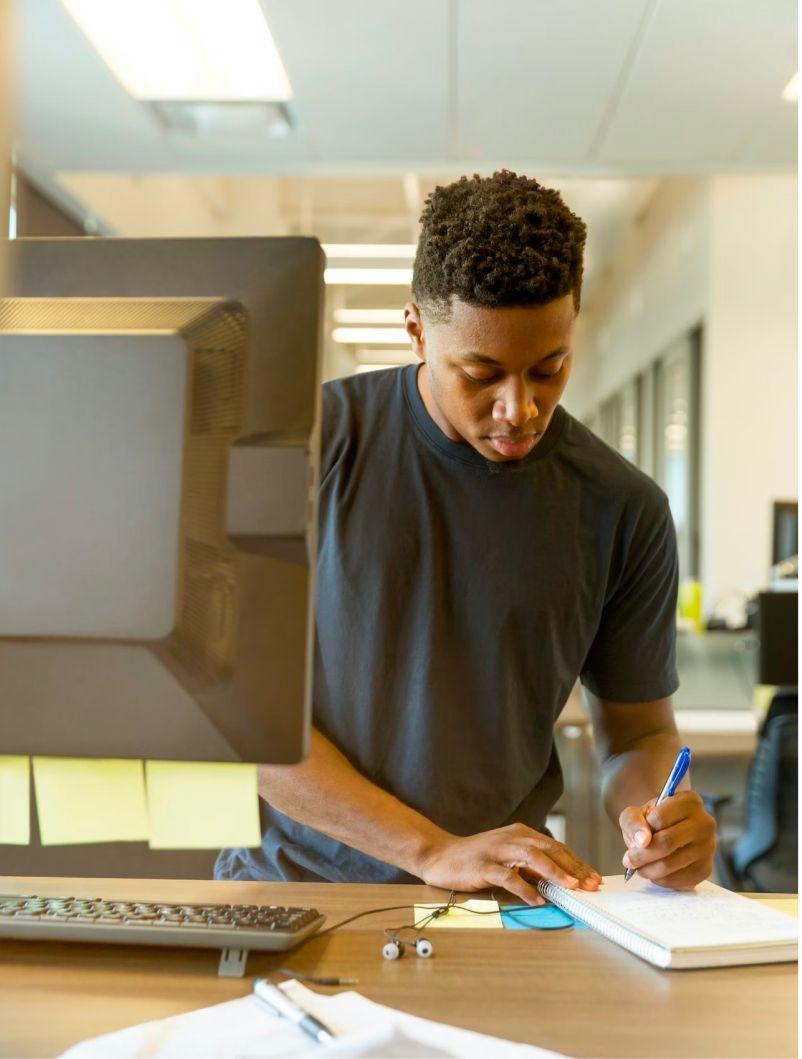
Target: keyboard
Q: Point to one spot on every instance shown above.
(234, 929)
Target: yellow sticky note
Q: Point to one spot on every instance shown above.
(761, 698)
(463, 915)
(15, 800)
(788, 905)
(202, 805)
(89, 800)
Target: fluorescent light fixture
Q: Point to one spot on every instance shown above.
(271, 120)
(360, 368)
(386, 356)
(790, 93)
(370, 250)
(391, 277)
(205, 50)
(369, 316)
(380, 336)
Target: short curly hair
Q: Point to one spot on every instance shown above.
(502, 240)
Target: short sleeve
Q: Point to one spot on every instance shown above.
(633, 655)
(334, 428)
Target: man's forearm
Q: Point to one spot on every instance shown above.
(326, 792)
(635, 775)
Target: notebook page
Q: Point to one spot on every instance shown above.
(709, 917)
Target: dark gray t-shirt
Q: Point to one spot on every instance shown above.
(458, 600)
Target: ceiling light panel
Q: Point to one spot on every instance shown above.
(386, 336)
(366, 251)
(391, 277)
(385, 356)
(369, 316)
(204, 50)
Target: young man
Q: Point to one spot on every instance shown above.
(479, 550)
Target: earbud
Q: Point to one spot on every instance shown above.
(424, 948)
(393, 949)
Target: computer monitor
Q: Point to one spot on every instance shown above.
(785, 530)
(159, 406)
(778, 631)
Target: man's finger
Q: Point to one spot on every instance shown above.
(635, 826)
(663, 844)
(538, 862)
(670, 811)
(565, 859)
(662, 866)
(509, 879)
(571, 861)
(688, 877)
(563, 856)
(542, 864)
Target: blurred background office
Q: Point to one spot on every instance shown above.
(669, 126)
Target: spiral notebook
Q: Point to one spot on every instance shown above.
(706, 927)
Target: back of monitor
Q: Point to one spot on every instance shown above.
(211, 658)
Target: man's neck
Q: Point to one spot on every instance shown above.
(431, 406)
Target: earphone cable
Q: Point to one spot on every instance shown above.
(435, 913)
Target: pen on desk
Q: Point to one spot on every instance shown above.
(669, 787)
(280, 1004)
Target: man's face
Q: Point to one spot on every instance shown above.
(493, 377)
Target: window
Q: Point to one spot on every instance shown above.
(653, 420)
(676, 442)
(619, 420)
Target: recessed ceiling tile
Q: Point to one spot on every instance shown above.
(705, 76)
(773, 140)
(534, 76)
(368, 76)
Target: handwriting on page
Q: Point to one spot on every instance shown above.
(699, 918)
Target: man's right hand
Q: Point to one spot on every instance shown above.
(509, 858)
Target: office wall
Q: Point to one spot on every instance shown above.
(171, 205)
(655, 289)
(37, 215)
(750, 370)
(720, 251)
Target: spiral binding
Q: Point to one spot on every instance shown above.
(603, 924)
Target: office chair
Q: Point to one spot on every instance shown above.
(764, 858)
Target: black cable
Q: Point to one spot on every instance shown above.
(359, 915)
(419, 925)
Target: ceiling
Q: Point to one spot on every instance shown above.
(553, 86)
(599, 98)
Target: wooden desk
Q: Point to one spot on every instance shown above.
(570, 991)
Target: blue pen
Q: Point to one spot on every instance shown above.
(669, 787)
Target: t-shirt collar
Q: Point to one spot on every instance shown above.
(462, 451)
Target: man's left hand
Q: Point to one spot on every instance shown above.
(671, 844)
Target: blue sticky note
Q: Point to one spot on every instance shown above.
(547, 917)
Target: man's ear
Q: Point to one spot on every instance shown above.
(413, 325)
